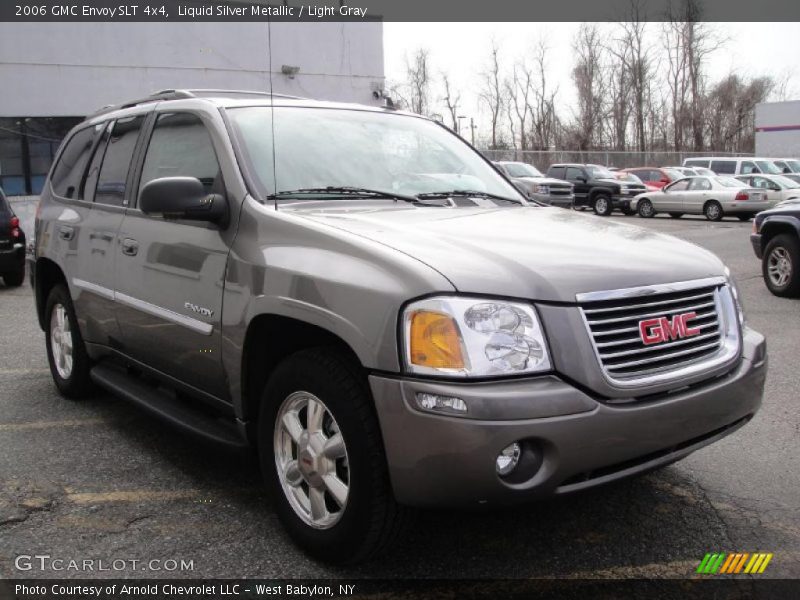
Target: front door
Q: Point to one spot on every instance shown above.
(170, 273)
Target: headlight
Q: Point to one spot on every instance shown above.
(473, 337)
(737, 297)
(541, 188)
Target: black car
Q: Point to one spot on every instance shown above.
(776, 241)
(597, 188)
(12, 245)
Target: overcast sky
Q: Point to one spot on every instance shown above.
(461, 49)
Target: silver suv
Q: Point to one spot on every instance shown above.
(360, 296)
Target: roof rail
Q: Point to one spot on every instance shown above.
(162, 95)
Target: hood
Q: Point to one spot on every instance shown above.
(546, 254)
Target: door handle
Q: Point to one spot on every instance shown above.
(130, 247)
(65, 232)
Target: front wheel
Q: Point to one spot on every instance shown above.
(66, 354)
(645, 209)
(781, 265)
(713, 211)
(322, 457)
(602, 205)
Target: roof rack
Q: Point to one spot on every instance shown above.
(163, 95)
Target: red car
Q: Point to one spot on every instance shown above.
(653, 176)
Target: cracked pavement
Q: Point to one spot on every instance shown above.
(100, 479)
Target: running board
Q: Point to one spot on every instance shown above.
(166, 407)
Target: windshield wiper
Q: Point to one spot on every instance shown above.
(353, 192)
(466, 194)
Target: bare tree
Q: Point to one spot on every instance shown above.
(519, 90)
(590, 85)
(418, 81)
(730, 111)
(492, 93)
(544, 120)
(451, 100)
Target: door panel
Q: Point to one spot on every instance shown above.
(171, 272)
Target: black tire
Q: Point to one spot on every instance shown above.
(14, 278)
(787, 247)
(371, 519)
(713, 210)
(744, 217)
(676, 215)
(601, 205)
(77, 384)
(628, 211)
(645, 209)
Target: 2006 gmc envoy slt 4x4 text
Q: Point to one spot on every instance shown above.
(361, 296)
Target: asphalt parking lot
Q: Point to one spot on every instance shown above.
(98, 479)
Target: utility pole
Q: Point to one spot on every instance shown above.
(458, 120)
(472, 128)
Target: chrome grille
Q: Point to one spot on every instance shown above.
(613, 321)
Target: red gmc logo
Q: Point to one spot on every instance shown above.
(663, 329)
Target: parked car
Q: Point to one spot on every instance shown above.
(715, 197)
(536, 186)
(12, 245)
(777, 187)
(776, 241)
(631, 178)
(281, 273)
(731, 165)
(655, 177)
(596, 187)
(787, 165)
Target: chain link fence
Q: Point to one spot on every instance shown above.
(542, 159)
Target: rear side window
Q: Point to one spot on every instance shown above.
(556, 172)
(723, 167)
(68, 173)
(700, 184)
(573, 173)
(181, 147)
(111, 181)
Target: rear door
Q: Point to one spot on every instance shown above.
(171, 272)
(577, 177)
(697, 194)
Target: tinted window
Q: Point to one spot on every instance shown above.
(679, 185)
(573, 173)
(749, 167)
(181, 146)
(695, 162)
(68, 173)
(556, 172)
(113, 175)
(723, 166)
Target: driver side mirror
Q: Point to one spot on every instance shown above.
(182, 198)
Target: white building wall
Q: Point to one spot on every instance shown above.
(72, 69)
(778, 129)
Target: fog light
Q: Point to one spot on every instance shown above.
(508, 458)
(436, 402)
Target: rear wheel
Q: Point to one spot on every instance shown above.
(627, 211)
(781, 265)
(713, 210)
(322, 456)
(645, 209)
(14, 278)
(744, 217)
(602, 205)
(675, 215)
(66, 354)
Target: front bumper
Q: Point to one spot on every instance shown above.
(437, 460)
(560, 200)
(13, 258)
(755, 241)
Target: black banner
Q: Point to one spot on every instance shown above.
(398, 10)
(719, 588)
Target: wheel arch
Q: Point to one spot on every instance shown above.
(271, 338)
(775, 226)
(48, 275)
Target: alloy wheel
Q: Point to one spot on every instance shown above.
(311, 460)
(779, 266)
(61, 341)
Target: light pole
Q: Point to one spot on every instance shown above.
(459, 117)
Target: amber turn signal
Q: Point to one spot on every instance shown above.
(435, 341)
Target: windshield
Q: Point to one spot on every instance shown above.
(730, 182)
(794, 165)
(522, 170)
(785, 181)
(320, 148)
(767, 166)
(598, 172)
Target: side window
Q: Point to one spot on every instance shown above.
(695, 162)
(556, 172)
(680, 185)
(69, 172)
(749, 167)
(181, 146)
(573, 173)
(700, 184)
(112, 179)
(723, 167)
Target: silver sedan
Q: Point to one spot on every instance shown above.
(714, 196)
